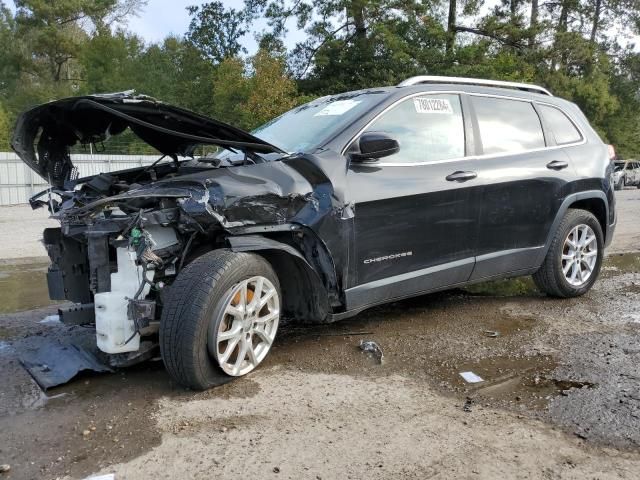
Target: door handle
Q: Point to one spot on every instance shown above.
(460, 176)
(557, 165)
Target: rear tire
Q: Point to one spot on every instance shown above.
(196, 312)
(569, 271)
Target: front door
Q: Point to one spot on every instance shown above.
(415, 211)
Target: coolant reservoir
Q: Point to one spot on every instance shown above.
(113, 327)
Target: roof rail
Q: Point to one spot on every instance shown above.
(474, 81)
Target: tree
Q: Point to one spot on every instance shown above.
(216, 31)
(111, 62)
(248, 94)
(270, 91)
(230, 92)
(10, 55)
(358, 43)
(5, 130)
(56, 31)
(451, 24)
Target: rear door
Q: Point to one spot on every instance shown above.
(415, 224)
(525, 174)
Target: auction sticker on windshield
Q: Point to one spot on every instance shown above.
(433, 105)
(337, 108)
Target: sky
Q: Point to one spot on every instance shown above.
(163, 17)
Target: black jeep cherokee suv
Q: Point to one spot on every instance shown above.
(346, 202)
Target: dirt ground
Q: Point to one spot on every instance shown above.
(560, 396)
(21, 231)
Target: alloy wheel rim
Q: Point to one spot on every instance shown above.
(579, 255)
(250, 316)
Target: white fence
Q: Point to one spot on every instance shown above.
(18, 182)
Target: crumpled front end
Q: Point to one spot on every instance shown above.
(126, 235)
(116, 255)
(114, 266)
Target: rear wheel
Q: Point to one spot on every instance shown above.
(221, 318)
(573, 261)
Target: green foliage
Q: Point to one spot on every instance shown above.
(230, 91)
(216, 31)
(574, 47)
(10, 56)
(271, 92)
(4, 130)
(250, 99)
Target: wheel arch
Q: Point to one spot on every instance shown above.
(598, 207)
(594, 201)
(304, 294)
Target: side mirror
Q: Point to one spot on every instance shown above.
(375, 145)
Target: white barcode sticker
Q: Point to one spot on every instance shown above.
(433, 105)
(337, 108)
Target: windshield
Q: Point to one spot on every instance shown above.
(308, 126)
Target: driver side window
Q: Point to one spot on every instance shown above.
(428, 128)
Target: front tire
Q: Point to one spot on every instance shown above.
(220, 318)
(573, 261)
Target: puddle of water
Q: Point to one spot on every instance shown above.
(5, 333)
(430, 339)
(525, 381)
(504, 288)
(622, 263)
(23, 287)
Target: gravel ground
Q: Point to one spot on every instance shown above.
(560, 397)
(21, 231)
(627, 237)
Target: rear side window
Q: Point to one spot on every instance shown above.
(429, 128)
(561, 127)
(507, 126)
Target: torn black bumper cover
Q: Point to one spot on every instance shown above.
(52, 363)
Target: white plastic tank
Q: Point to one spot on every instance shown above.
(113, 327)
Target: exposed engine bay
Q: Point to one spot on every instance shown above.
(125, 235)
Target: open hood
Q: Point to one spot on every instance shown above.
(44, 134)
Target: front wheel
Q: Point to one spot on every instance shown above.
(573, 261)
(220, 318)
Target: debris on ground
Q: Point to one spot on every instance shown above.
(51, 320)
(467, 404)
(5, 468)
(491, 333)
(372, 347)
(51, 363)
(471, 377)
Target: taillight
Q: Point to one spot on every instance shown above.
(612, 152)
